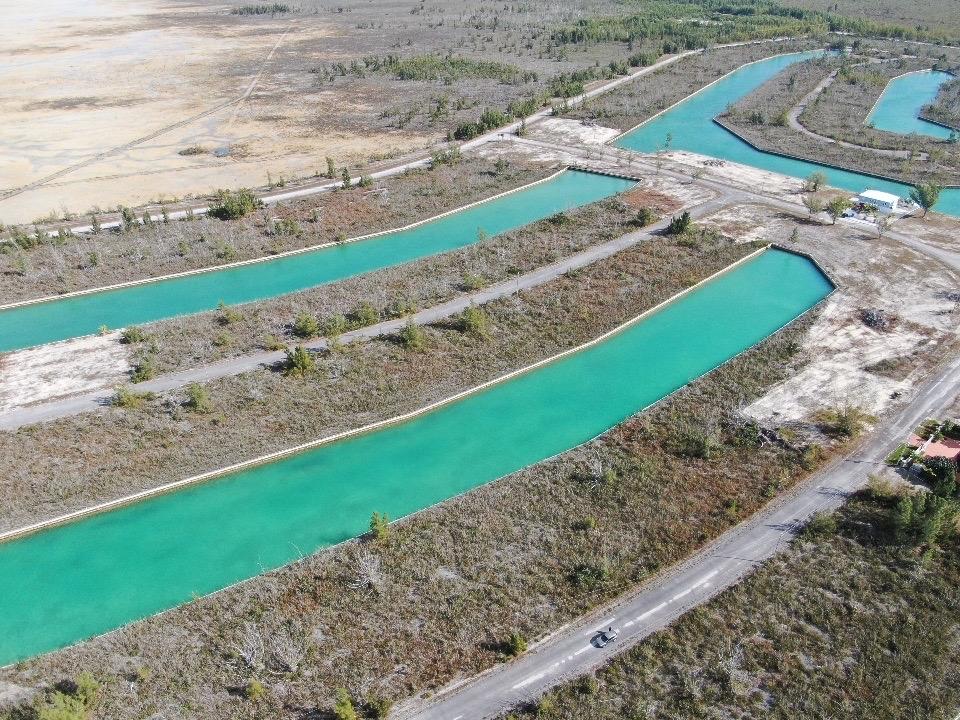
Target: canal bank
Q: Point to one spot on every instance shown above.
(277, 512)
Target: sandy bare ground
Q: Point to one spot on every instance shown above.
(872, 273)
(572, 131)
(62, 369)
(111, 97)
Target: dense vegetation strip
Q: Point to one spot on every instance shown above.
(690, 25)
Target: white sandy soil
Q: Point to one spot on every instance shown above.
(61, 369)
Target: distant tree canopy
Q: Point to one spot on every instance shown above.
(679, 26)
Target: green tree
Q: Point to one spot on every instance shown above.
(331, 168)
(836, 207)
(128, 219)
(343, 708)
(944, 471)
(814, 204)
(645, 216)
(926, 195)
(815, 181)
(299, 362)
(902, 519)
(345, 178)
(679, 224)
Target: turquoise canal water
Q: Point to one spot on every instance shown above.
(65, 318)
(898, 109)
(692, 128)
(85, 578)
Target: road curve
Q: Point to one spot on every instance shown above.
(720, 565)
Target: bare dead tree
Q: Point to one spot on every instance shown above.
(249, 646)
(287, 649)
(369, 575)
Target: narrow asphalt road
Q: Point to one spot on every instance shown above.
(569, 652)
(87, 402)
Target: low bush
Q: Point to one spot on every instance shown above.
(412, 337)
(299, 362)
(232, 205)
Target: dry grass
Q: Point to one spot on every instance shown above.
(845, 624)
(462, 575)
(88, 261)
(635, 102)
(841, 111)
(390, 292)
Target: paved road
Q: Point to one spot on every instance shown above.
(569, 652)
(87, 402)
(631, 162)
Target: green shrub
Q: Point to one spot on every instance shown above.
(584, 524)
(365, 314)
(286, 227)
(379, 707)
(223, 339)
(227, 315)
(255, 690)
(343, 708)
(299, 362)
(847, 421)
(820, 524)
(380, 526)
(61, 706)
(335, 326)
(514, 645)
(271, 342)
(264, 9)
(445, 157)
(489, 120)
(815, 181)
(306, 326)
(85, 689)
(130, 400)
(412, 337)
(133, 334)
(588, 576)
(472, 282)
(198, 399)
(234, 205)
(144, 370)
(473, 320)
(401, 307)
